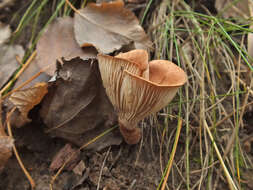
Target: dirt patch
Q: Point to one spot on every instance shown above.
(117, 167)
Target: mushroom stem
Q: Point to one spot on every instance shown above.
(131, 136)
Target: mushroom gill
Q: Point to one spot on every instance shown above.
(137, 89)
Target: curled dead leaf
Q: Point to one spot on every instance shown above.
(25, 100)
(76, 107)
(109, 27)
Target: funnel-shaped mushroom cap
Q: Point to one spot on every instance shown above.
(142, 97)
(134, 94)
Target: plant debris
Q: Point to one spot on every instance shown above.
(109, 27)
(29, 72)
(76, 107)
(25, 100)
(8, 53)
(67, 155)
(58, 42)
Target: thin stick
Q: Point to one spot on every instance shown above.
(32, 183)
(103, 165)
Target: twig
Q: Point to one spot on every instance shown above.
(103, 164)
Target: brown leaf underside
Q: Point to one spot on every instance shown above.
(109, 26)
(58, 41)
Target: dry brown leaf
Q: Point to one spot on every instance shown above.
(230, 8)
(108, 27)
(30, 71)
(76, 107)
(25, 100)
(8, 62)
(58, 41)
(8, 53)
(67, 154)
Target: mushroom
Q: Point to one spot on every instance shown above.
(137, 88)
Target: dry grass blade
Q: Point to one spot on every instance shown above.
(230, 181)
(179, 126)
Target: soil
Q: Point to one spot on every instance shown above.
(119, 167)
